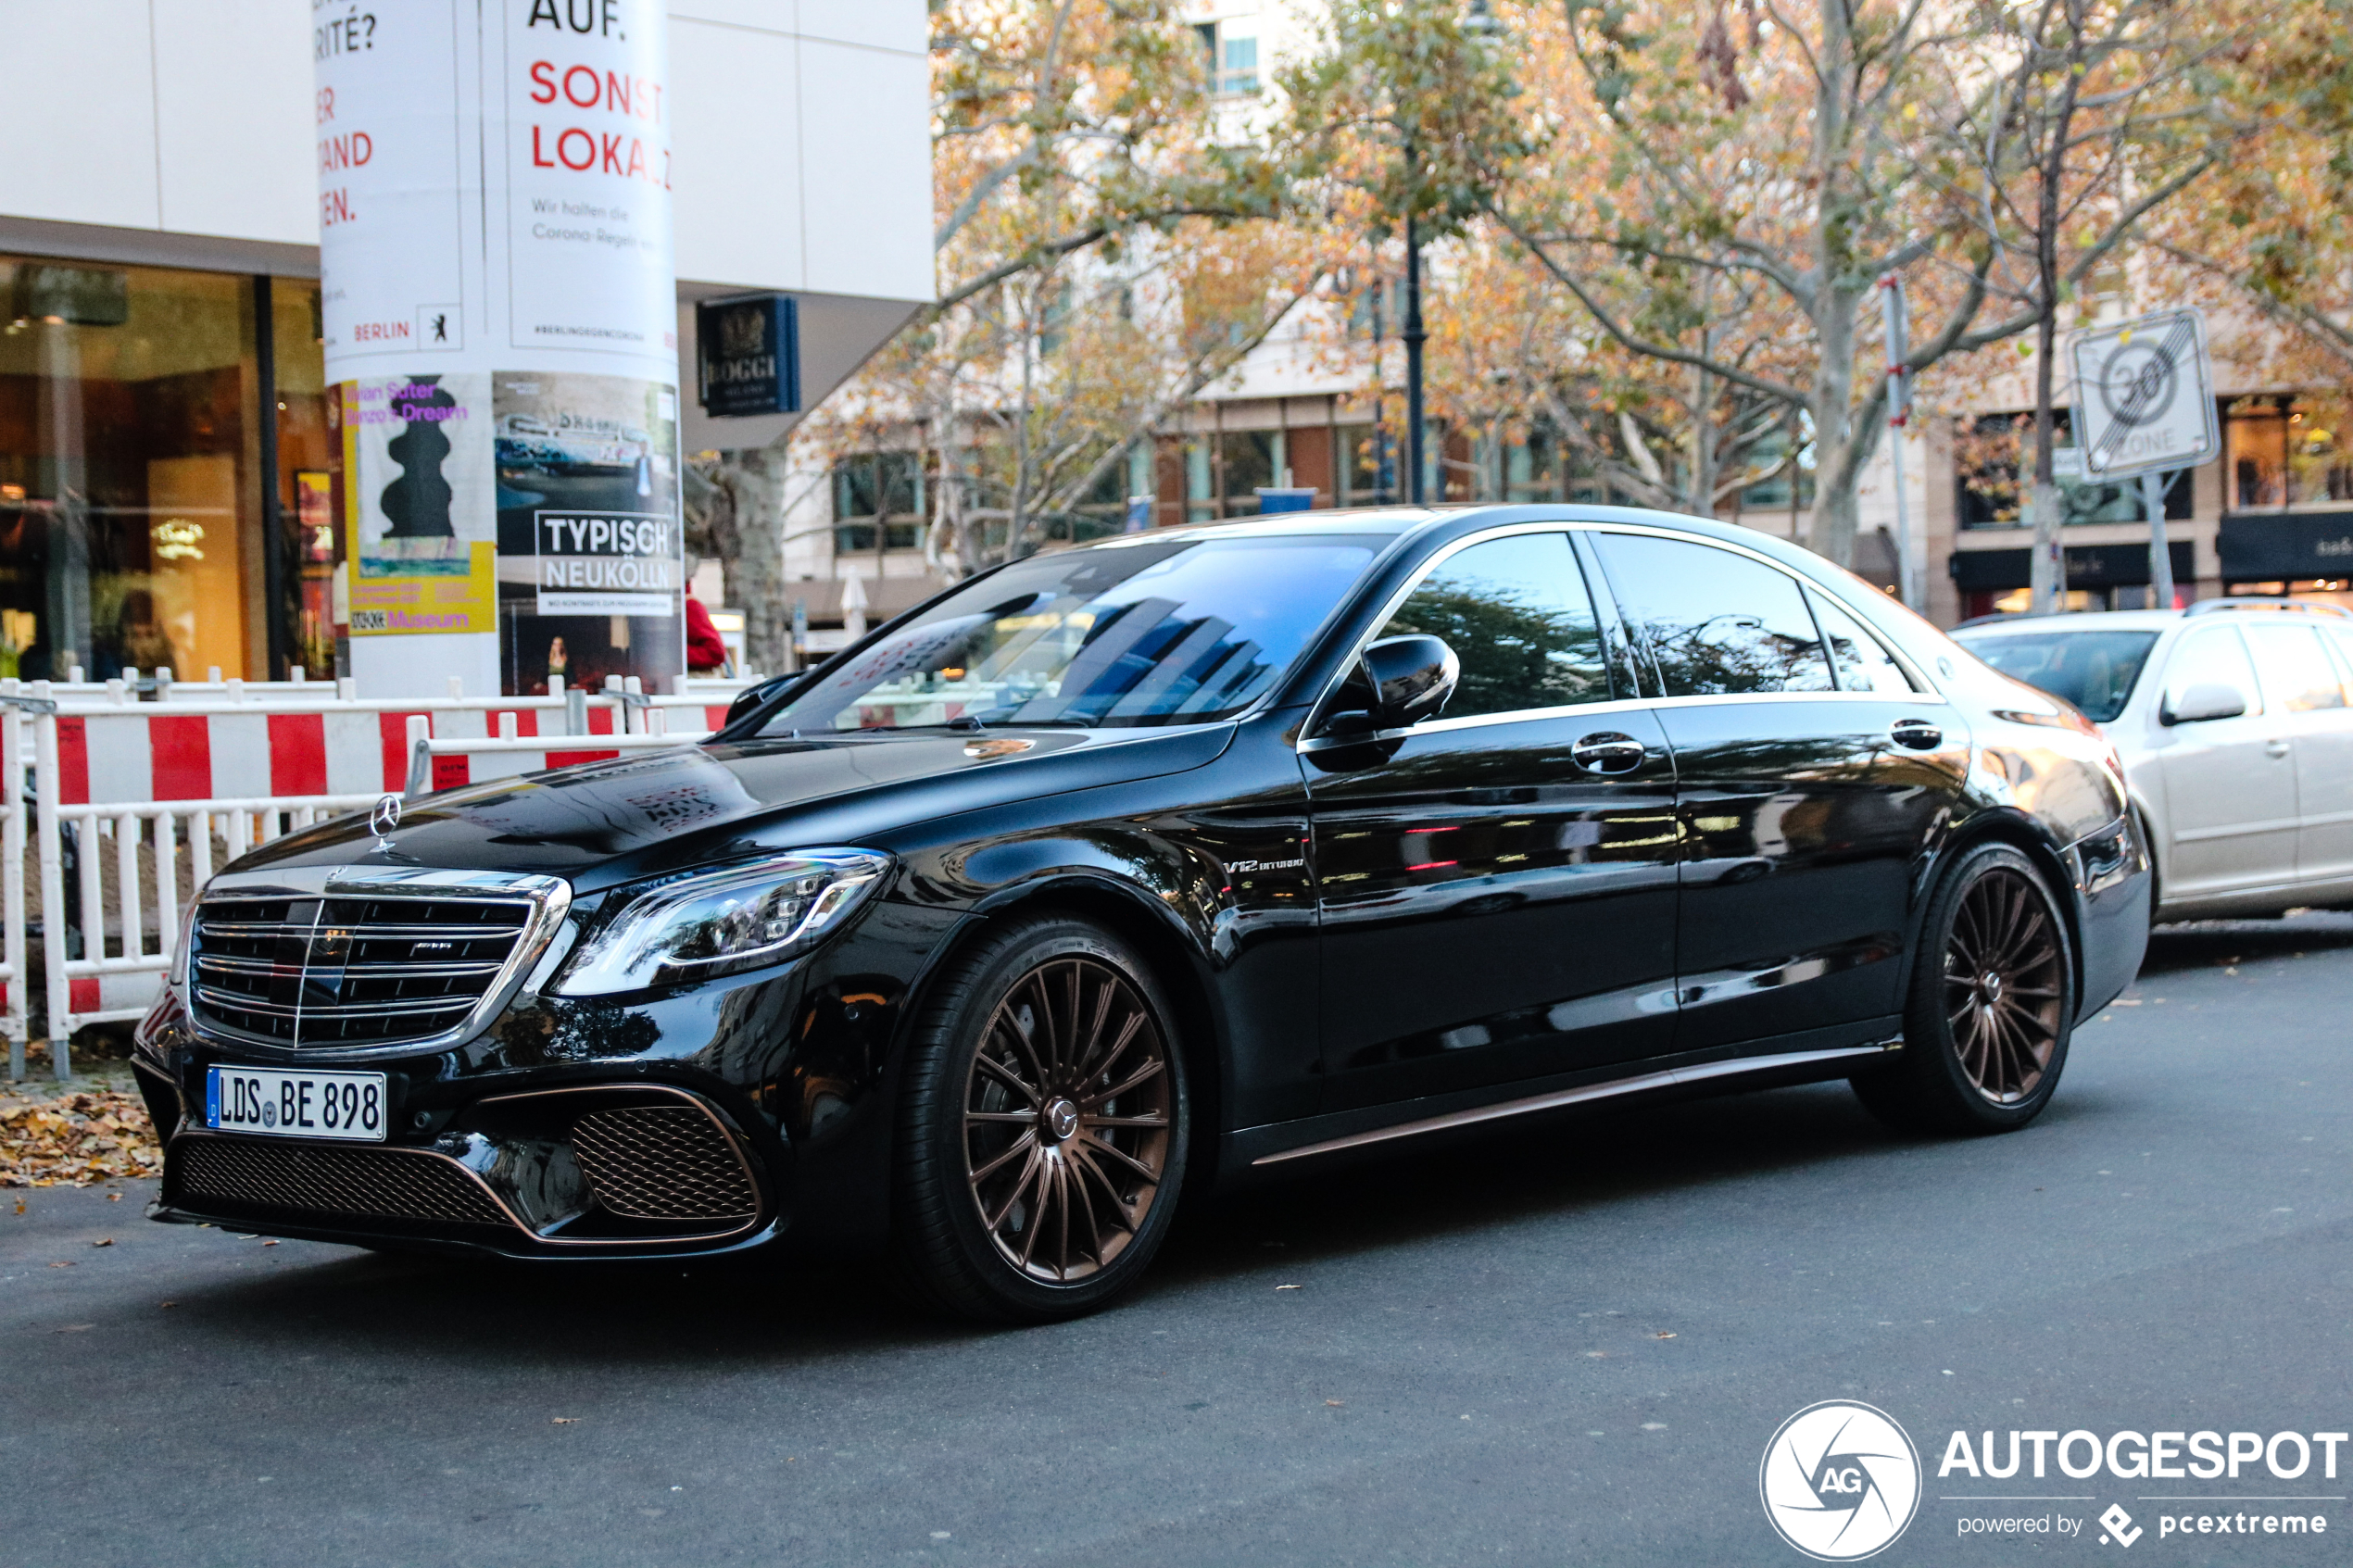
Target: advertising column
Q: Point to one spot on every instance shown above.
(501, 317)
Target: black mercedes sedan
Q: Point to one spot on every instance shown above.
(1189, 856)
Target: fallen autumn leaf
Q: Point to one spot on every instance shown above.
(75, 1140)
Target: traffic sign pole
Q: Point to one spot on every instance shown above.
(2160, 553)
(2144, 406)
(1910, 574)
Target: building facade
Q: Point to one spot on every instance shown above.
(166, 439)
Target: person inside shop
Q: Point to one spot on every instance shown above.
(138, 643)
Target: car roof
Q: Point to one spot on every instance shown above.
(2072, 622)
(1304, 525)
(1463, 516)
(2080, 620)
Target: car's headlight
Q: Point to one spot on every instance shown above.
(717, 922)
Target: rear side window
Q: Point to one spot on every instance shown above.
(2341, 635)
(1516, 612)
(2295, 668)
(1863, 663)
(1716, 623)
(2213, 656)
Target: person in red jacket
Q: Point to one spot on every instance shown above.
(705, 653)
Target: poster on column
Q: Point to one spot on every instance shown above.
(591, 562)
(423, 540)
(391, 132)
(501, 310)
(588, 216)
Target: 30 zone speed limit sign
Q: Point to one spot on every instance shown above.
(2145, 396)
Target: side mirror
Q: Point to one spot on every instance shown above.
(2205, 699)
(752, 696)
(1410, 679)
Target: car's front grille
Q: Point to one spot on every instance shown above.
(326, 972)
(663, 1162)
(325, 1182)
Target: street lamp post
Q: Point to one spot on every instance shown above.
(1412, 334)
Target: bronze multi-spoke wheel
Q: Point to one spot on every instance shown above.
(1043, 1127)
(1992, 1006)
(2003, 985)
(1066, 1119)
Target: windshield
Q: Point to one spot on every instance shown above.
(2092, 669)
(1180, 632)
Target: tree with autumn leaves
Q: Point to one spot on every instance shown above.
(1659, 226)
(1105, 251)
(1108, 248)
(1721, 190)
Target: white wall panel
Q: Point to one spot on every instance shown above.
(78, 130)
(901, 28)
(770, 15)
(233, 94)
(868, 173)
(802, 136)
(738, 179)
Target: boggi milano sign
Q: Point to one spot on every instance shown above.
(499, 310)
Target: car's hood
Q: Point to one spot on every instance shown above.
(601, 822)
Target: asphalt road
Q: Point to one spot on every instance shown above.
(1566, 1346)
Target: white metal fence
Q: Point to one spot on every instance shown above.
(119, 843)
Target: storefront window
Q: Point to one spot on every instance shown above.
(2285, 452)
(878, 502)
(128, 519)
(1252, 459)
(1994, 459)
(308, 457)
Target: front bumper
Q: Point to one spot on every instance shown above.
(614, 1166)
(741, 1112)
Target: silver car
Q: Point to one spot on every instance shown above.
(2236, 725)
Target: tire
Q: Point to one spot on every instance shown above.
(1043, 1128)
(1992, 1007)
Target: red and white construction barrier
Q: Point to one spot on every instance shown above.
(149, 777)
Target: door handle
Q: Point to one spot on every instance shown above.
(2276, 747)
(1607, 751)
(1916, 734)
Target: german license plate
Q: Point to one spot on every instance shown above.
(295, 1105)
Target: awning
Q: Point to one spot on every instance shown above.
(2282, 546)
(2088, 566)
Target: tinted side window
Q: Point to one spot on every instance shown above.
(2341, 636)
(1516, 612)
(2296, 674)
(2215, 657)
(1864, 664)
(1716, 623)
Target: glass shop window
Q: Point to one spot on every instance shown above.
(129, 464)
(2282, 451)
